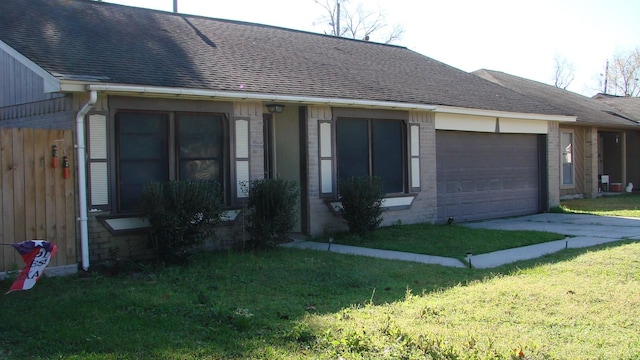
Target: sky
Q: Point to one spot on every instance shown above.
(519, 37)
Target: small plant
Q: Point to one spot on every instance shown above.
(361, 199)
(182, 215)
(271, 211)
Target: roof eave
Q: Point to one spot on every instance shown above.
(187, 93)
(139, 90)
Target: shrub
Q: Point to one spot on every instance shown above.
(182, 215)
(361, 199)
(271, 211)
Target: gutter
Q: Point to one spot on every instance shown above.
(231, 95)
(336, 102)
(82, 177)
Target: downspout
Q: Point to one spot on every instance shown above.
(82, 177)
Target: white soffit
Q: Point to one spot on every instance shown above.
(516, 126)
(51, 83)
(504, 114)
(465, 122)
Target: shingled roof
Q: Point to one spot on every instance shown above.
(628, 105)
(588, 111)
(106, 43)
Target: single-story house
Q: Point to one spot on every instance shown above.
(599, 152)
(156, 96)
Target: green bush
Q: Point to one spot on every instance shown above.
(271, 211)
(361, 199)
(182, 215)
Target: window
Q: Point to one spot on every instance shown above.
(165, 146)
(566, 147)
(372, 147)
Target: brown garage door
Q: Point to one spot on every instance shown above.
(484, 176)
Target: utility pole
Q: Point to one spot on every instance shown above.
(337, 18)
(175, 6)
(606, 76)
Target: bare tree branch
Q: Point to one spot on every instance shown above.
(624, 72)
(563, 76)
(357, 22)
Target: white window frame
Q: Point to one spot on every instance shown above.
(564, 153)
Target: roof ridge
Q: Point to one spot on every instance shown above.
(233, 21)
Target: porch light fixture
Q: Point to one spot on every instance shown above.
(275, 108)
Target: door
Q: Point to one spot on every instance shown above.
(486, 175)
(285, 151)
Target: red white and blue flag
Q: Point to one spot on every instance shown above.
(36, 254)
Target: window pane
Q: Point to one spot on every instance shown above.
(388, 154)
(199, 170)
(352, 145)
(142, 154)
(566, 143)
(200, 147)
(136, 174)
(142, 136)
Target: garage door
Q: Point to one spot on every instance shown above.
(484, 176)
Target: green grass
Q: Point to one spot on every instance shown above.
(444, 240)
(627, 205)
(581, 308)
(296, 304)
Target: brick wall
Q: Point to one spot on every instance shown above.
(103, 245)
(322, 218)
(424, 207)
(591, 162)
(553, 163)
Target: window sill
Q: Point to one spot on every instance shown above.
(126, 224)
(390, 203)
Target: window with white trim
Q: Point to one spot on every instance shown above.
(567, 159)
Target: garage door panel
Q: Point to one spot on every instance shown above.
(482, 176)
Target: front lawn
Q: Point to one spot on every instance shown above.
(627, 205)
(297, 304)
(444, 240)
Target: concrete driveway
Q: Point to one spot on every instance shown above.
(568, 224)
(581, 231)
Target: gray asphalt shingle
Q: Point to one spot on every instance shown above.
(117, 44)
(588, 111)
(629, 106)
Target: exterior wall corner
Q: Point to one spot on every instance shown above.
(553, 164)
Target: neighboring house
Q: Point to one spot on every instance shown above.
(627, 105)
(603, 141)
(158, 96)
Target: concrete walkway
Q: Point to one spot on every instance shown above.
(581, 231)
(377, 253)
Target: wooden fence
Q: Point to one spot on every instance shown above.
(38, 202)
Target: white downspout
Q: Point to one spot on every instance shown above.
(82, 178)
